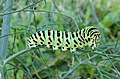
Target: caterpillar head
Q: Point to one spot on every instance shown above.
(95, 39)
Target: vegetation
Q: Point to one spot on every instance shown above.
(21, 18)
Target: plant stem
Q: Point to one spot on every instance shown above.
(4, 40)
(5, 29)
(1, 70)
(14, 55)
(71, 70)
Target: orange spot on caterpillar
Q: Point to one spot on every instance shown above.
(40, 36)
(66, 32)
(58, 43)
(82, 40)
(67, 45)
(58, 36)
(80, 34)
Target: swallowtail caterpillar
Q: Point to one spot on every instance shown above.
(64, 40)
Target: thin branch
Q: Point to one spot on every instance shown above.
(43, 11)
(11, 12)
(15, 55)
(71, 70)
(55, 13)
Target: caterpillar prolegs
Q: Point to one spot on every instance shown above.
(55, 39)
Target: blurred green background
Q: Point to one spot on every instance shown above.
(30, 16)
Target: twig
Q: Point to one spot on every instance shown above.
(15, 55)
(71, 70)
(1, 14)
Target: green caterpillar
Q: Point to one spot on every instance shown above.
(64, 40)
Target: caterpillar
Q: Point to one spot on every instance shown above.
(64, 40)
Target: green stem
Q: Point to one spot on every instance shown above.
(71, 70)
(15, 55)
(4, 40)
(1, 70)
